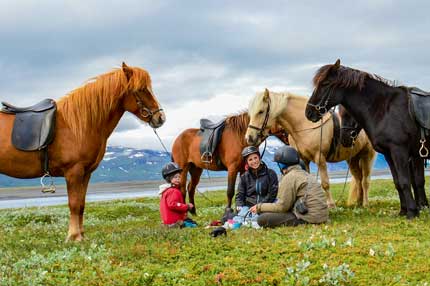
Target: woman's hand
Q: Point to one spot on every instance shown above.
(253, 209)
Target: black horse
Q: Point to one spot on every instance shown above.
(382, 110)
(349, 128)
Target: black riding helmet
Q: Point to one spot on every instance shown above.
(169, 169)
(250, 150)
(287, 155)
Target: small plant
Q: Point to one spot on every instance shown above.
(340, 275)
(294, 275)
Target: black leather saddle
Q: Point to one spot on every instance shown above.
(211, 134)
(34, 126)
(420, 106)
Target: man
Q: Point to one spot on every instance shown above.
(300, 197)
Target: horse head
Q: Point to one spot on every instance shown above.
(349, 128)
(328, 92)
(261, 118)
(139, 98)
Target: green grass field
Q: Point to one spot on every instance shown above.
(125, 245)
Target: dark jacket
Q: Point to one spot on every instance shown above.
(260, 188)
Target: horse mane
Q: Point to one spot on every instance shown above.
(90, 105)
(348, 77)
(238, 122)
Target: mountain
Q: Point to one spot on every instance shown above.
(130, 164)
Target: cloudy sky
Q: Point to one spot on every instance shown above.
(206, 58)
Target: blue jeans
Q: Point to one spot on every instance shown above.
(245, 214)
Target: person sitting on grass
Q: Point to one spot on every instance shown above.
(300, 197)
(259, 184)
(173, 209)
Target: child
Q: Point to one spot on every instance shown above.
(173, 209)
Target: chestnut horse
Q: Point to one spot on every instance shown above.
(85, 119)
(288, 110)
(186, 153)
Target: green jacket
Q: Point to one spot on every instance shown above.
(292, 187)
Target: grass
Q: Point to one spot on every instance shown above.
(125, 245)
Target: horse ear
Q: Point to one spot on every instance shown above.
(266, 94)
(336, 64)
(127, 71)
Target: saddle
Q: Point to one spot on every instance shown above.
(33, 128)
(420, 106)
(419, 109)
(211, 134)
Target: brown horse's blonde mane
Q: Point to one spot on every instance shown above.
(347, 77)
(90, 105)
(238, 122)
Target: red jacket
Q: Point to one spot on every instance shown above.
(172, 205)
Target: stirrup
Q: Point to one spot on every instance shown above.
(424, 152)
(206, 157)
(47, 189)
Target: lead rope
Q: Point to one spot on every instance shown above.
(319, 156)
(165, 149)
(347, 171)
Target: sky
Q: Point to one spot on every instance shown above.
(207, 59)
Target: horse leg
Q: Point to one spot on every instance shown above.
(418, 182)
(232, 174)
(366, 165)
(183, 184)
(355, 192)
(401, 165)
(325, 184)
(195, 179)
(81, 213)
(390, 162)
(77, 182)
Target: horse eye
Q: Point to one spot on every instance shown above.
(260, 112)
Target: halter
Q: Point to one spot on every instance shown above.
(266, 119)
(144, 111)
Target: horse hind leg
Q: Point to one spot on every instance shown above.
(355, 191)
(366, 165)
(418, 182)
(192, 185)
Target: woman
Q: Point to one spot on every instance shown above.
(258, 184)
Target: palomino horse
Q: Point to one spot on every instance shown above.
(186, 153)
(386, 113)
(288, 110)
(85, 119)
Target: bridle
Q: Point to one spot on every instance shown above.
(266, 119)
(143, 110)
(321, 109)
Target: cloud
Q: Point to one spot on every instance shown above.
(205, 58)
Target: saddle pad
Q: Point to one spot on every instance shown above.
(420, 107)
(33, 130)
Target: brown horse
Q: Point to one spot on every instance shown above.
(85, 119)
(288, 110)
(186, 153)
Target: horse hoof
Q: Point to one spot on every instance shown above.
(75, 237)
(193, 211)
(331, 205)
(412, 214)
(402, 212)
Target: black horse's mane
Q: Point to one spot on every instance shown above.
(346, 77)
